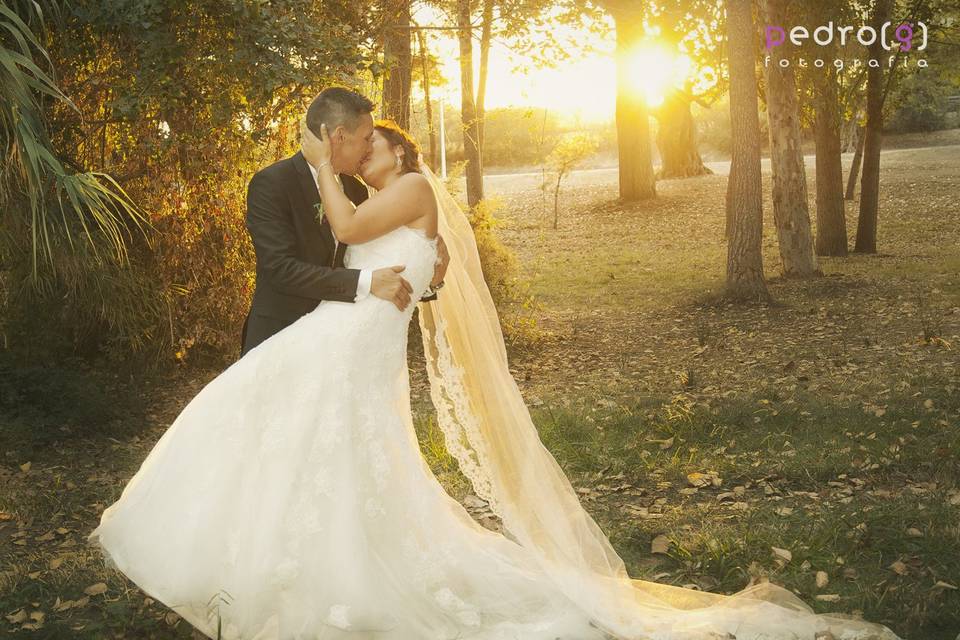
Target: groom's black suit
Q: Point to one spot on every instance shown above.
(297, 265)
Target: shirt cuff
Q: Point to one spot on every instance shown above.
(363, 284)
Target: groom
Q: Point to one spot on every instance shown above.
(299, 261)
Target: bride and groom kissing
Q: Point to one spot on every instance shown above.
(289, 498)
(300, 258)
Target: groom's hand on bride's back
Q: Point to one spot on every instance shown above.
(389, 285)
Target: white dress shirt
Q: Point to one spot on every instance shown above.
(366, 275)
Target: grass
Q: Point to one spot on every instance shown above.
(831, 419)
(846, 493)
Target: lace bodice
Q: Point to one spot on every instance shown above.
(402, 246)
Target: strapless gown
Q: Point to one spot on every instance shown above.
(289, 499)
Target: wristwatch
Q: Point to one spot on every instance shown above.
(431, 289)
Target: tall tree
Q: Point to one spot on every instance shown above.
(744, 203)
(486, 39)
(637, 178)
(517, 19)
(690, 28)
(468, 105)
(870, 180)
(511, 20)
(790, 212)
(398, 59)
(426, 69)
(677, 138)
(855, 165)
(821, 91)
(831, 216)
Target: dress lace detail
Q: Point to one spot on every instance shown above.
(291, 490)
(289, 500)
(458, 422)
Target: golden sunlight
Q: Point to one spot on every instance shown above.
(653, 70)
(586, 87)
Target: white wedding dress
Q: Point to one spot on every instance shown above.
(289, 499)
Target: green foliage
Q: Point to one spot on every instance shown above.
(918, 101)
(566, 156)
(922, 105)
(500, 266)
(35, 185)
(514, 137)
(181, 104)
(519, 136)
(501, 270)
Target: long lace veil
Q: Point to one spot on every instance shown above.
(489, 431)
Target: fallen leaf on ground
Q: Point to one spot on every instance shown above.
(782, 555)
(660, 544)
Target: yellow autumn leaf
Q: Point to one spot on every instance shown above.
(17, 617)
(660, 544)
(782, 555)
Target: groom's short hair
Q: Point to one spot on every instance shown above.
(337, 106)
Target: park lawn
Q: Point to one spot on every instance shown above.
(831, 416)
(826, 425)
(872, 503)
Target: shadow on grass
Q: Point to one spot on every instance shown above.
(871, 501)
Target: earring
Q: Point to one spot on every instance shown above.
(399, 162)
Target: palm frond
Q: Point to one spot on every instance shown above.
(93, 199)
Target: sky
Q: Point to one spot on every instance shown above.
(584, 86)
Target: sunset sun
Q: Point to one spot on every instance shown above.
(653, 70)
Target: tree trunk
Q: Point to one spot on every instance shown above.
(744, 197)
(637, 179)
(556, 202)
(425, 70)
(870, 180)
(791, 214)
(831, 217)
(677, 139)
(468, 106)
(486, 38)
(398, 62)
(855, 166)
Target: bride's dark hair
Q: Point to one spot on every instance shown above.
(396, 136)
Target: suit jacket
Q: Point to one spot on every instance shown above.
(297, 263)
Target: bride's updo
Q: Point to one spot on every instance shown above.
(398, 137)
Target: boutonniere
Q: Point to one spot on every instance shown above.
(319, 212)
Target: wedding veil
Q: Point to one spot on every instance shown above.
(489, 431)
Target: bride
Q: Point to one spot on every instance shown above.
(289, 499)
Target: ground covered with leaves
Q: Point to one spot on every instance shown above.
(814, 442)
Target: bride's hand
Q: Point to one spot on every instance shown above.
(315, 150)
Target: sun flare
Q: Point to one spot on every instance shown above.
(653, 70)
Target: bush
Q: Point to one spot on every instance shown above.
(181, 115)
(501, 271)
